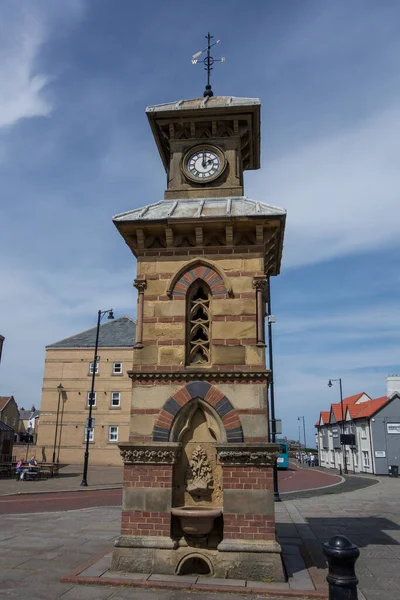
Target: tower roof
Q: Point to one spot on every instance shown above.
(216, 116)
(200, 208)
(118, 333)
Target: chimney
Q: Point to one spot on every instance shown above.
(392, 384)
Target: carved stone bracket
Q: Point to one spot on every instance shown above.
(150, 454)
(258, 455)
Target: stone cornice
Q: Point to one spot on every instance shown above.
(258, 455)
(149, 453)
(261, 376)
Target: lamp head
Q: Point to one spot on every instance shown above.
(330, 384)
(60, 387)
(110, 314)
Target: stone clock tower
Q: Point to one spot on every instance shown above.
(198, 489)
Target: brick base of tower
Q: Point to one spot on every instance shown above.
(242, 544)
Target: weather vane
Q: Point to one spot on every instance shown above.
(208, 62)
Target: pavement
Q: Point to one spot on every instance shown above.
(40, 549)
(69, 479)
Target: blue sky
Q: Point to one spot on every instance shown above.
(75, 149)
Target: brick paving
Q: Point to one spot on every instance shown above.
(39, 549)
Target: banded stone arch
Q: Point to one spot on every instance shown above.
(199, 269)
(212, 396)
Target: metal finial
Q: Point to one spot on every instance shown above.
(208, 62)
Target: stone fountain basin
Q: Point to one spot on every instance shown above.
(196, 521)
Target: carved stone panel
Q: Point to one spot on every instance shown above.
(258, 455)
(152, 453)
(199, 477)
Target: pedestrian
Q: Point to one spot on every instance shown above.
(19, 470)
(309, 460)
(312, 460)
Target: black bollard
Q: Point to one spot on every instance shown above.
(341, 555)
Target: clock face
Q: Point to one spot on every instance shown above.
(204, 164)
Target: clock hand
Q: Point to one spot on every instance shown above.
(203, 164)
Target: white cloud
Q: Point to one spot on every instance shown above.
(341, 191)
(40, 306)
(25, 27)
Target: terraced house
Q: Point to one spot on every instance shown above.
(374, 427)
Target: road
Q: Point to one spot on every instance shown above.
(291, 480)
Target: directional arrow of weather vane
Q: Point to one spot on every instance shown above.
(208, 62)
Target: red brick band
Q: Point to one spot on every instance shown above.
(249, 526)
(247, 478)
(136, 522)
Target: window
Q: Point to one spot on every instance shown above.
(355, 455)
(91, 367)
(91, 434)
(198, 324)
(283, 448)
(363, 432)
(93, 401)
(335, 432)
(113, 433)
(117, 368)
(115, 398)
(366, 458)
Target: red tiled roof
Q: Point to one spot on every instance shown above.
(324, 416)
(353, 399)
(3, 401)
(367, 409)
(349, 402)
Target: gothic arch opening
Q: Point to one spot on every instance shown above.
(197, 474)
(198, 324)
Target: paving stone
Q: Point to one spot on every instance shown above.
(261, 585)
(174, 578)
(223, 582)
(88, 592)
(122, 575)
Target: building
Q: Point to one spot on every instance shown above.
(9, 413)
(10, 426)
(63, 414)
(30, 420)
(199, 420)
(6, 442)
(374, 425)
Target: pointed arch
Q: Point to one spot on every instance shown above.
(199, 268)
(208, 394)
(198, 321)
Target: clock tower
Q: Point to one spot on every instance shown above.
(198, 485)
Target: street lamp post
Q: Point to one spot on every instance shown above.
(100, 315)
(330, 384)
(61, 426)
(60, 390)
(304, 431)
(270, 320)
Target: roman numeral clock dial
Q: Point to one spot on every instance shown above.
(204, 164)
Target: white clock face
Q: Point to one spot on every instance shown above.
(204, 165)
